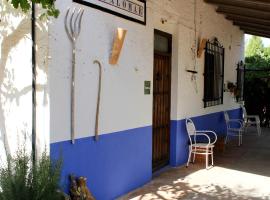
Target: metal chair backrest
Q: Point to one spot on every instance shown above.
(191, 130)
(226, 117)
(244, 114)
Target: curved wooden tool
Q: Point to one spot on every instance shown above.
(98, 99)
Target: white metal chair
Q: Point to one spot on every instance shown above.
(197, 147)
(250, 120)
(234, 128)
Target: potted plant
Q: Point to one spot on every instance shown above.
(231, 87)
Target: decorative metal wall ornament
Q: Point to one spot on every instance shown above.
(98, 98)
(73, 28)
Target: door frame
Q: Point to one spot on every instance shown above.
(169, 54)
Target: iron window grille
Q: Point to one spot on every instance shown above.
(240, 81)
(213, 73)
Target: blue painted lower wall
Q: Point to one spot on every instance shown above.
(122, 161)
(179, 136)
(116, 164)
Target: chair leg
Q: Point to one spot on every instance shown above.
(258, 129)
(212, 155)
(189, 156)
(226, 139)
(241, 139)
(239, 142)
(206, 159)
(194, 155)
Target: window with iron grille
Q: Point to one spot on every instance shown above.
(213, 73)
(240, 81)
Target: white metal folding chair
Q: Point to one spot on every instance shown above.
(234, 128)
(250, 120)
(199, 147)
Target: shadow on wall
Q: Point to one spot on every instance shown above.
(16, 78)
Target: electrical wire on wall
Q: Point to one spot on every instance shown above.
(170, 16)
(194, 47)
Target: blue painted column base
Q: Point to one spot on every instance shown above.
(179, 137)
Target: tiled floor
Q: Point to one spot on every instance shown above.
(239, 173)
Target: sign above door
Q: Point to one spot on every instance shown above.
(134, 10)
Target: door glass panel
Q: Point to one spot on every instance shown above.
(161, 43)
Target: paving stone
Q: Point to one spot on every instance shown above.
(240, 173)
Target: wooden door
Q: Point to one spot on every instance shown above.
(161, 101)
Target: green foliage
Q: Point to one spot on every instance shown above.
(20, 180)
(47, 5)
(257, 83)
(254, 47)
(257, 57)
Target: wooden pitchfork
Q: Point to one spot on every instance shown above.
(73, 22)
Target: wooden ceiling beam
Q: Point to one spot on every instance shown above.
(240, 18)
(251, 4)
(264, 32)
(252, 16)
(251, 25)
(262, 1)
(253, 30)
(244, 12)
(257, 34)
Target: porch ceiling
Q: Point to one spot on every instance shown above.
(252, 16)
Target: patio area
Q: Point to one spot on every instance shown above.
(239, 173)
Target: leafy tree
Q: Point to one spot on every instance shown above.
(257, 56)
(254, 47)
(267, 53)
(257, 83)
(47, 5)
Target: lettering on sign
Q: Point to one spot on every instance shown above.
(134, 10)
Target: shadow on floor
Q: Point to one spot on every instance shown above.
(240, 173)
(252, 157)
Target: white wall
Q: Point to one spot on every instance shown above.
(209, 24)
(16, 82)
(123, 103)
(180, 15)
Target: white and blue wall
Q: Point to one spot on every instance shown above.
(122, 158)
